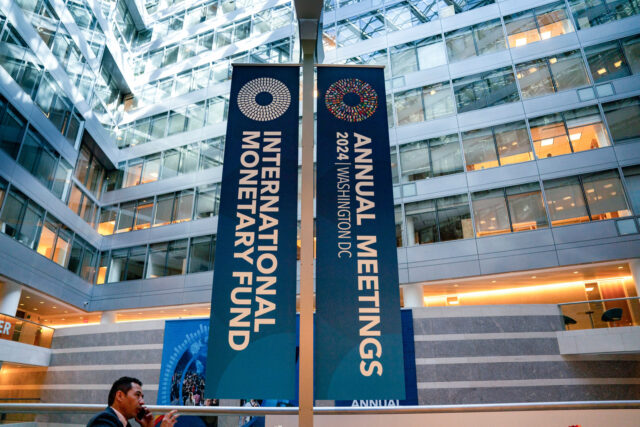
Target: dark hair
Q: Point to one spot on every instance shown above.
(122, 384)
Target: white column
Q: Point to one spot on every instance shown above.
(108, 317)
(411, 231)
(10, 294)
(634, 266)
(412, 296)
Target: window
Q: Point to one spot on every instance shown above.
(202, 253)
(485, 90)
(593, 197)
(438, 100)
(438, 220)
(417, 55)
(607, 61)
(362, 27)
(475, 40)
(512, 209)
(167, 259)
(207, 201)
(623, 118)
(409, 107)
(589, 13)
(107, 220)
(570, 131)
(407, 14)
(450, 9)
(548, 75)
(430, 158)
(605, 196)
(632, 178)
(12, 127)
(537, 24)
(631, 48)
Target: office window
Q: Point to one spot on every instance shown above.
(512, 209)
(409, 108)
(397, 214)
(570, 131)
(512, 142)
(62, 250)
(3, 190)
(526, 208)
(362, 27)
(126, 217)
(151, 169)
(631, 48)
(553, 74)
(475, 40)
(623, 118)
(537, 24)
(438, 220)
(607, 61)
(430, 158)
(485, 90)
(605, 196)
(135, 263)
(12, 127)
(211, 152)
(202, 253)
(589, 13)
(107, 220)
(395, 178)
(566, 201)
(207, 201)
(144, 209)
(438, 100)
(12, 213)
(417, 55)
(407, 14)
(632, 178)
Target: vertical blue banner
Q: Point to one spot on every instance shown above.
(358, 339)
(252, 343)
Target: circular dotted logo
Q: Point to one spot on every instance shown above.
(264, 99)
(355, 89)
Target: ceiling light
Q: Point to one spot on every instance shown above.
(21, 303)
(35, 309)
(433, 92)
(521, 41)
(453, 301)
(545, 35)
(519, 76)
(533, 277)
(589, 289)
(545, 142)
(27, 297)
(575, 136)
(566, 198)
(601, 71)
(493, 281)
(575, 272)
(620, 267)
(553, 60)
(41, 302)
(617, 64)
(54, 307)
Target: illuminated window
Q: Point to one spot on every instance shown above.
(537, 24)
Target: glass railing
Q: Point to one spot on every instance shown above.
(25, 331)
(604, 313)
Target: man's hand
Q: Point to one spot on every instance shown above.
(170, 419)
(147, 419)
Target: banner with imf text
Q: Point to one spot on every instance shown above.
(358, 338)
(252, 342)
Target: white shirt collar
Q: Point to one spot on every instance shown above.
(121, 417)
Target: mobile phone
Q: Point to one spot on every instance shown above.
(142, 412)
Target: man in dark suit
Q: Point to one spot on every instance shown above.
(126, 401)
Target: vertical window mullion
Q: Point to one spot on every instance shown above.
(586, 199)
(553, 79)
(506, 202)
(495, 145)
(566, 129)
(437, 219)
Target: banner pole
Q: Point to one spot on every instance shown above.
(305, 416)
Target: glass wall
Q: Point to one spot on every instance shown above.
(185, 119)
(485, 89)
(438, 220)
(632, 178)
(496, 146)
(623, 118)
(25, 221)
(163, 209)
(507, 210)
(417, 55)
(425, 103)
(430, 158)
(475, 40)
(24, 144)
(171, 258)
(568, 132)
(588, 197)
(537, 24)
(589, 13)
(615, 59)
(552, 74)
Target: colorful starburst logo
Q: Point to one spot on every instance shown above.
(335, 100)
(277, 94)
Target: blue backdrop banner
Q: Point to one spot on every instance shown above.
(358, 340)
(252, 346)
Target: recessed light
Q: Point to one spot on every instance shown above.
(184, 309)
(533, 277)
(27, 297)
(139, 313)
(35, 309)
(41, 302)
(54, 307)
(456, 285)
(493, 281)
(575, 272)
(620, 267)
(21, 303)
(66, 311)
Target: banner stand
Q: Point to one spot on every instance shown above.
(305, 415)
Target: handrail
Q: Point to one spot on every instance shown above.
(598, 300)
(45, 408)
